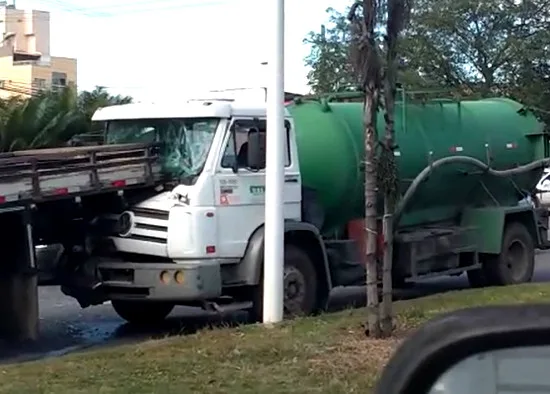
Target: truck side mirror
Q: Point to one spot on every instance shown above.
(256, 149)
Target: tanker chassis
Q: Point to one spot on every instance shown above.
(467, 175)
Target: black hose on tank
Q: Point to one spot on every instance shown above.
(425, 173)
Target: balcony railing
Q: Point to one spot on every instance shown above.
(28, 89)
(31, 63)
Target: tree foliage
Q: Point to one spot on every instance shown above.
(90, 101)
(460, 47)
(50, 118)
(330, 69)
(476, 46)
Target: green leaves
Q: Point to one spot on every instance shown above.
(89, 102)
(50, 118)
(467, 48)
(331, 70)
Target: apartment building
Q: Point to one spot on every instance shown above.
(26, 65)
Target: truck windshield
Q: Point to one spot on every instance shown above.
(183, 142)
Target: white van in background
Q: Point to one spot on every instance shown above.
(543, 188)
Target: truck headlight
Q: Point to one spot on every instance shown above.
(125, 223)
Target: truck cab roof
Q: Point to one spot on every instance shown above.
(190, 109)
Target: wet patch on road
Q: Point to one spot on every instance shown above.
(115, 332)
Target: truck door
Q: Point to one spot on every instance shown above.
(240, 197)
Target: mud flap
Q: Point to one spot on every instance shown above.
(83, 284)
(87, 291)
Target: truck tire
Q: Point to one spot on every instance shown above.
(300, 287)
(142, 313)
(516, 262)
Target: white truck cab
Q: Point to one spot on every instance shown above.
(201, 240)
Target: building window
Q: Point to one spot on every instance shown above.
(2, 84)
(59, 79)
(39, 83)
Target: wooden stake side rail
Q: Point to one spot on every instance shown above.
(37, 175)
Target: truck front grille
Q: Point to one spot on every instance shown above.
(151, 213)
(150, 225)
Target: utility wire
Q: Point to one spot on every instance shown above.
(8, 79)
(33, 88)
(153, 6)
(133, 4)
(92, 13)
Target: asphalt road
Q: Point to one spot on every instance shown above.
(65, 327)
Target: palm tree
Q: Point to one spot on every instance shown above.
(42, 121)
(50, 118)
(89, 102)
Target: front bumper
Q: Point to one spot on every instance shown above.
(129, 280)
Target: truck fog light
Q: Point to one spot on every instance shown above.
(165, 277)
(178, 277)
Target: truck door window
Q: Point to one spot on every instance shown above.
(236, 148)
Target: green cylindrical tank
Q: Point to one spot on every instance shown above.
(330, 144)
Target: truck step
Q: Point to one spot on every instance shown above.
(226, 308)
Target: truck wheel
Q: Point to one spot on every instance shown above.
(516, 262)
(140, 312)
(300, 287)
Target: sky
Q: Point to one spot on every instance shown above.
(166, 49)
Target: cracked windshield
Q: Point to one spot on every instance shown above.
(183, 143)
(322, 186)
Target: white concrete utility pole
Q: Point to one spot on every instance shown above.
(274, 172)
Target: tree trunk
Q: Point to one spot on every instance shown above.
(367, 65)
(386, 313)
(386, 310)
(370, 112)
(398, 13)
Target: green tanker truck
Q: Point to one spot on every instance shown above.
(462, 166)
(467, 172)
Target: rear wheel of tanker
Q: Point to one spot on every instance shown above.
(300, 287)
(142, 313)
(516, 262)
